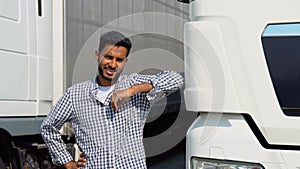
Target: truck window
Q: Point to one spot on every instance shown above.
(281, 45)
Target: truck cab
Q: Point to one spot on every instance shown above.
(242, 76)
(29, 73)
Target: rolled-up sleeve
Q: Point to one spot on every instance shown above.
(164, 83)
(51, 125)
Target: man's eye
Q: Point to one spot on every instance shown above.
(120, 60)
(108, 57)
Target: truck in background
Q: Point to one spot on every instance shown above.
(242, 76)
(29, 74)
(33, 63)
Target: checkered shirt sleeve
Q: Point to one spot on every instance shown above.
(164, 83)
(60, 114)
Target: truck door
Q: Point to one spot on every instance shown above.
(25, 57)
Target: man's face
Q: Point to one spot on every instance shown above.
(111, 61)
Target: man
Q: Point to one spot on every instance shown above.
(108, 113)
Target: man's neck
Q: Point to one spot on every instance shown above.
(104, 82)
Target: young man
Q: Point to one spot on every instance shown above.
(108, 113)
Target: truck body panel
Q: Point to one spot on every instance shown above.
(235, 68)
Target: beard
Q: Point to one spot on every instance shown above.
(112, 80)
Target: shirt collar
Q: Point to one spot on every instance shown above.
(94, 90)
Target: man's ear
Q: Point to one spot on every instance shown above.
(97, 55)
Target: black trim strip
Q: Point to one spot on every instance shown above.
(291, 111)
(260, 137)
(184, 1)
(16, 117)
(40, 7)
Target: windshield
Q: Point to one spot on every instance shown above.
(281, 44)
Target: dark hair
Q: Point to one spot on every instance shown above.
(114, 38)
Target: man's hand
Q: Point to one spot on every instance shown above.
(71, 165)
(119, 98)
(76, 165)
(81, 160)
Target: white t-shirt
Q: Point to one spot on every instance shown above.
(103, 92)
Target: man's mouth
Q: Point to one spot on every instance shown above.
(109, 71)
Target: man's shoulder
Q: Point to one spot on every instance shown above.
(82, 86)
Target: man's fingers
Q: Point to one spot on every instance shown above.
(81, 160)
(113, 102)
(121, 102)
(82, 155)
(71, 165)
(119, 98)
(80, 164)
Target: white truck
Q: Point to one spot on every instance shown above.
(33, 77)
(243, 77)
(30, 71)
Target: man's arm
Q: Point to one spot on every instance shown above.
(164, 83)
(50, 130)
(156, 86)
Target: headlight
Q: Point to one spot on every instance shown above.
(202, 163)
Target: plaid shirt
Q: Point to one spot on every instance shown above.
(109, 139)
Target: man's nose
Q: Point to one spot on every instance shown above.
(113, 63)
